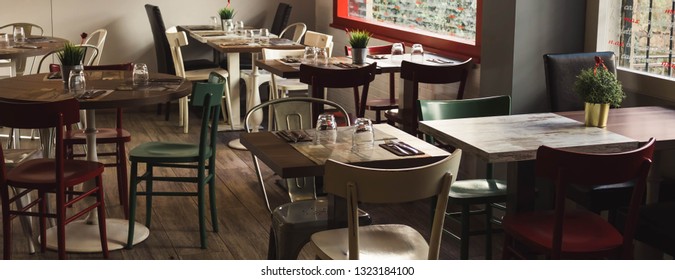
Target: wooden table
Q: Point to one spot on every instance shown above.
(515, 139)
(43, 44)
(82, 235)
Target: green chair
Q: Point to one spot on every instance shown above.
(201, 157)
(466, 193)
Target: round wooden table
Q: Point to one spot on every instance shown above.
(34, 46)
(82, 235)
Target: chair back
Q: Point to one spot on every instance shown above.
(370, 185)
(320, 78)
(316, 39)
(566, 168)
(89, 51)
(299, 30)
(208, 96)
(561, 72)
(97, 39)
(164, 60)
(294, 113)
(176, 39)
(281, 18)
(29, 29)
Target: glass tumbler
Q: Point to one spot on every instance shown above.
(309, 56)
(264, 36)
(321, 56)
(140, 75)
(4, 41)
(215, 22)
(326, 129)
(397, 52)
(19, 35)
(417, 53)
(363, 137)
(77, 84)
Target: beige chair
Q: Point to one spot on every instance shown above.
(299, 30)
(97, 39)
(385, 186)
(20, 64)
(177, 39)
(319, 40)
(280, 87)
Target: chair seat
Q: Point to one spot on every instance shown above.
(583, 231)
(290, 84)
(39, 173)
(376, 242)
(165, 152)
(302, 215)
(203, 74)
(103, 136)
(377, 104)
(479, 188)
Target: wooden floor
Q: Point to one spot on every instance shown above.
(243, 218)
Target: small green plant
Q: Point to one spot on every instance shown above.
(600, 86)
(71, 54)
(226, 13)
(359, 38)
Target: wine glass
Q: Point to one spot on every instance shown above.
(140, 75)
(19, 35)
(363, 137)
(326, 129)
(417, 53)
(309, 56)
(397, 52)
(77, 84)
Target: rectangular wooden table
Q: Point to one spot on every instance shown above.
(515, 139)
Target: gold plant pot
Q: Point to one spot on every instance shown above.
(596, 114)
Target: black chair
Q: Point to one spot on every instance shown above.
(163, 51)
(281, 18)
(561, 73)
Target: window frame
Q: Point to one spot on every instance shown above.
(434, 44)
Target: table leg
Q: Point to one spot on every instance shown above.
(82, 235)
(233, 69)
(521, 190)
(252, 99)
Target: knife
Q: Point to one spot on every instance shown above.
(408, 147)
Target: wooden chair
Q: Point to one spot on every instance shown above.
(380, 104)
(117, 136)
(178, 39)
(577, 233)
(467, 193)
(321, 78)
(199, 157)
(49, 176)
(369, 185)
(430, 74)
(294, 222)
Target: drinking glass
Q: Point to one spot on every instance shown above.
(140, 75)
(363, 137)
(77, 84)
(215, 21)
(417, 53)
(309, 56)
(397, 52)
(264, 36)
(255, 35)
(321, 56)
(19, 35)
(4, 41)
(239, 28)
(326, 129)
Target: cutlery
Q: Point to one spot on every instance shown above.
(393, 145)
(408, 147)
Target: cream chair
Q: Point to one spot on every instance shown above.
(369, 185)
(299, 30)
(176, 40)
(97, 39)
(20, 64)
(279, 87)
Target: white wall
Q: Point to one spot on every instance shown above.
(129, 35)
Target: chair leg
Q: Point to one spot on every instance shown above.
(464, 234)
(148, 194)
(488, 231)
(272, 246)
(6, 227)
(61, 226)
(101, 217)
(212, 200)
(201, 210)
(132, 204)
(42, 208)
(122, 183)
(186, 115)
(228, 103)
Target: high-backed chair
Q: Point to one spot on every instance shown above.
(97, 39)
(176, 40)
(197, 157)
(380, 104)
(117, 136)
(281, 18)
(430, 74)
(20, 64)
(280, 87)
(321, 78)
(165, 62)
(294, 222)
(467, 193)
(370, 185)
(561, 71)
(299, 29)
(49, 176)
(578, 233)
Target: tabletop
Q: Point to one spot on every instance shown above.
(225, 43)
(117, 86)
(34, 46)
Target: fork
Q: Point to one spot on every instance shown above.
(393, 144)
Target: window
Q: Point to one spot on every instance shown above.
(642, 37)
(444, 26)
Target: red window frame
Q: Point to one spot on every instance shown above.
(433, 44)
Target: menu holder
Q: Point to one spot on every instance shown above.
(398, 149)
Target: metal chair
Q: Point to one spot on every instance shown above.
(20, 64)
(299, 30)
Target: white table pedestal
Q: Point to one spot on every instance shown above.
(82, 237)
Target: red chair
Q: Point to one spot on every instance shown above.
(578, 233)
(47, 176)
(380, 104)
(117, 136)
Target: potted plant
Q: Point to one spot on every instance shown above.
(227, 16)
(71, 57)
(600, 89)
(358, 39)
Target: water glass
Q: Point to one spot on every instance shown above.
(255, 35)
(321, 57)
(363, 137)
(417, 53)
(4, 41)
(215, 21)
(309, 56)
(19, 35)
(140, 75)
(397, 52)
(326, 129)
(239, 28)
(77, 84)
(264, 36)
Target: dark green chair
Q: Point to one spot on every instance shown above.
(466, 193)
(200, 156)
